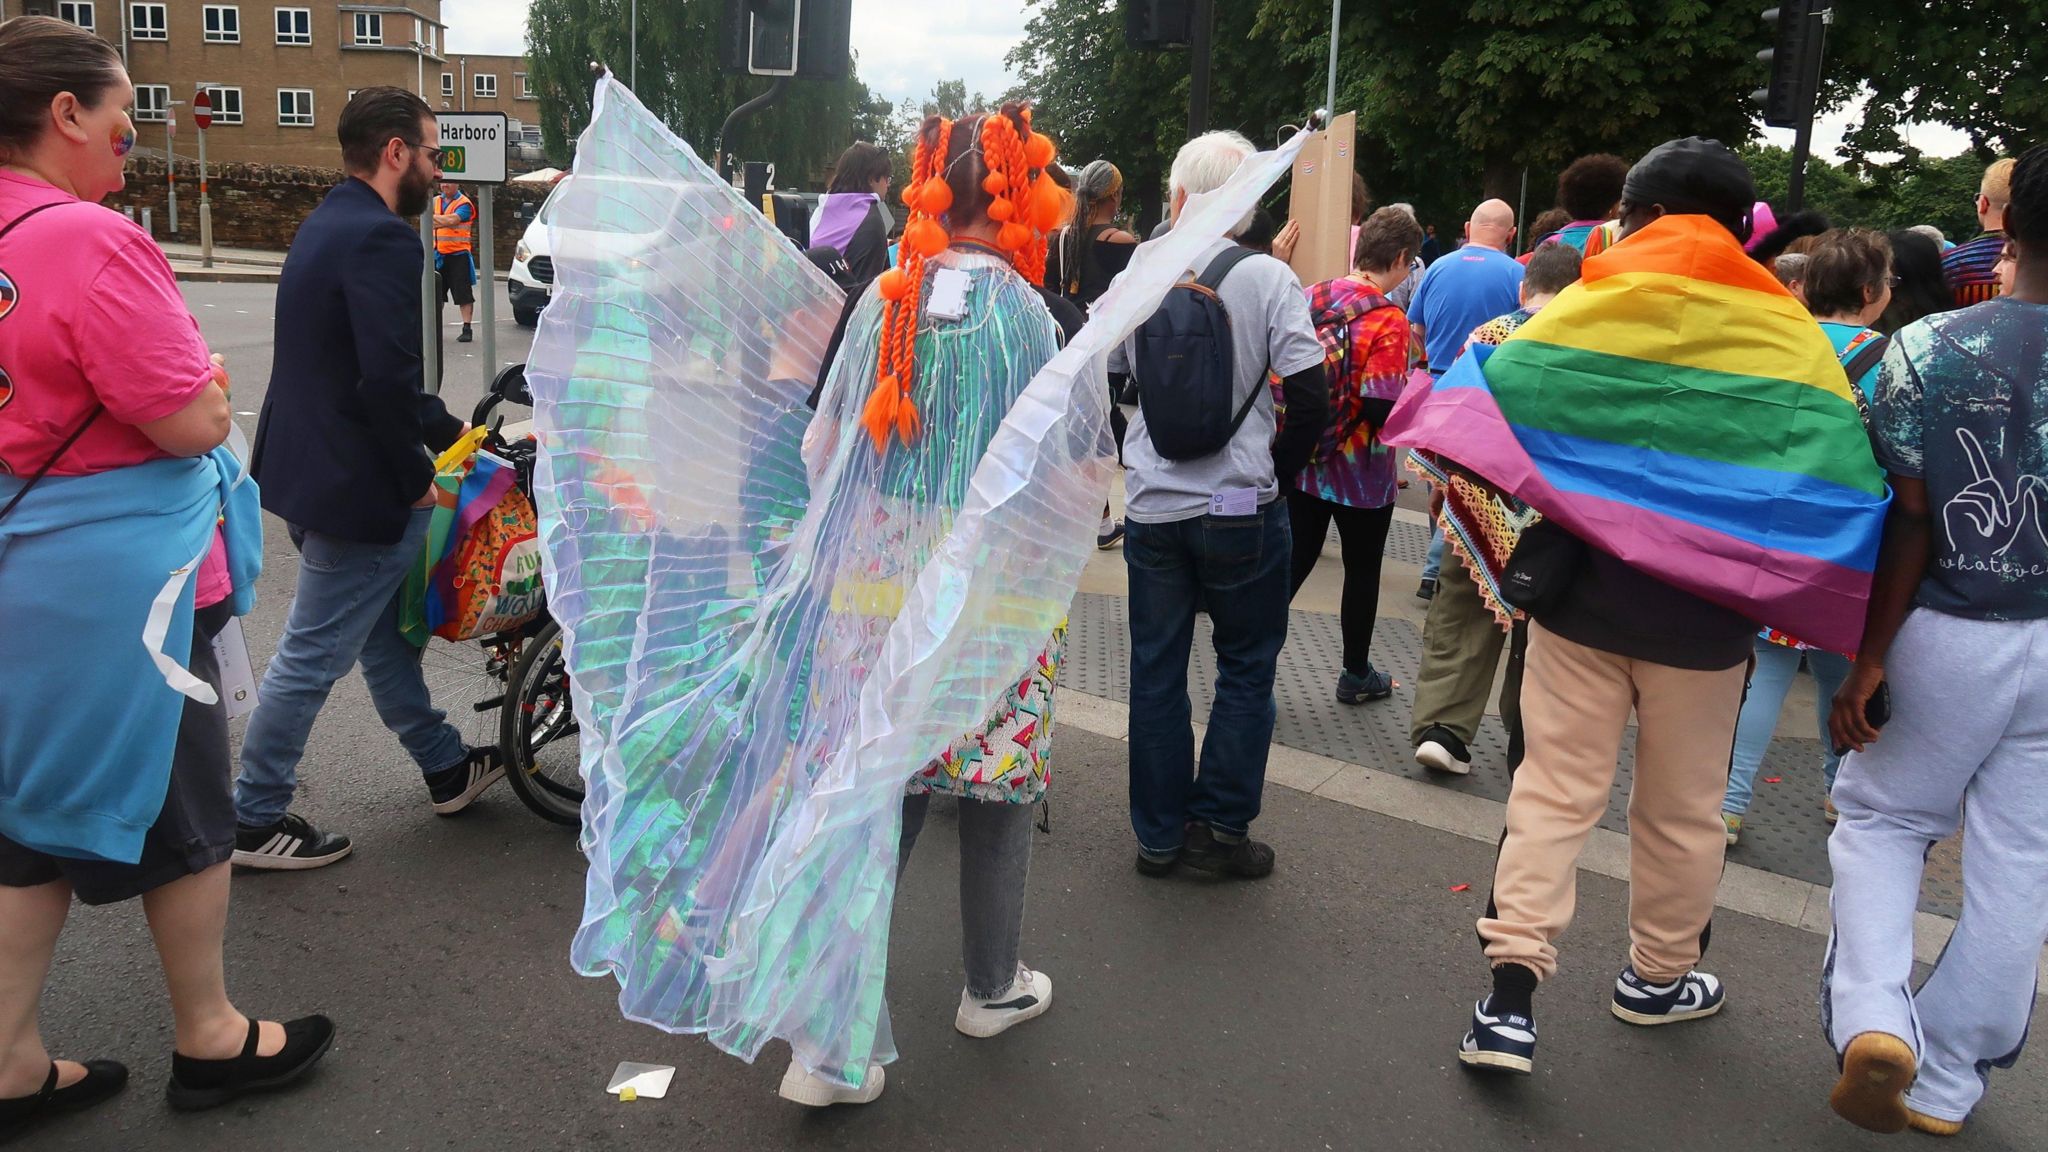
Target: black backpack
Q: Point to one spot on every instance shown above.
(1185, 368)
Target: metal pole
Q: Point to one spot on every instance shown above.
(633, 49)
(723, 152)
(1330, 91)
(1201, 33)
(171, 166)
(205, 209)
(488, 285)
(1522, 211)
(430, 308)
(1802, 139)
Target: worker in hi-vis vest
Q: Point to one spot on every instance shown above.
(454, 252)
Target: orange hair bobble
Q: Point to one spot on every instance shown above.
(894, 285)
(996, 184)
(936, 197)
(1038, 151)
(925, 237)
(1001, 211)
(1045, 206)
(881, 414)
(1013, 237)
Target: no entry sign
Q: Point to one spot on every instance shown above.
(202, 110)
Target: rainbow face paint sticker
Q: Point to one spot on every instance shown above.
(123, 139)
(8, 294)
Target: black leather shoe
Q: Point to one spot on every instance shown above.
(197, 1084)
(102, 1081)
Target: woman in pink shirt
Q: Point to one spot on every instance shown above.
(102, 369)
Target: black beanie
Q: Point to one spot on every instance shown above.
(1695, 177)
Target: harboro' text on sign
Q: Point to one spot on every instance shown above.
(473, 147)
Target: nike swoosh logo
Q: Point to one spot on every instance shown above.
(1019, 1003)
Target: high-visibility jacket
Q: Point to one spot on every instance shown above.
(453, 237)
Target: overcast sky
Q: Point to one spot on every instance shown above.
(906, 46)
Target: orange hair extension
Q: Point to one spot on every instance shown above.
(1027, 206)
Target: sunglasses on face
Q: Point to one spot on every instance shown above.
(433, 154)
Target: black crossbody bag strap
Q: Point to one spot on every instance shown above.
(77, 432)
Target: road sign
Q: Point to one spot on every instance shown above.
(474, 146)
(202, 110)
(171, 124)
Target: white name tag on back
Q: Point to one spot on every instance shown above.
(948, 300)
(237, 675)
(1234, 502)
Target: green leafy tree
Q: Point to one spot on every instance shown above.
(1979, 66)
(680, 81)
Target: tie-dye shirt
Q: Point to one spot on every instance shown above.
(1359, 473)
(1962, 403)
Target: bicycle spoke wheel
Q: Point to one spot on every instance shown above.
(538, 731)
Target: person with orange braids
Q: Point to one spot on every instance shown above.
(933, 357)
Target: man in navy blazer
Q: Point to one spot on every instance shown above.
(344, 453)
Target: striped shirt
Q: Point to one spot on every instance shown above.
(1971, 269)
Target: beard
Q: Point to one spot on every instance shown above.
(415, 188)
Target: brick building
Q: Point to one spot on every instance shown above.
(471, 82)
(279, 75)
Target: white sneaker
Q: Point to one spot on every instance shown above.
(814, 1091)
(1440, 750)
(1030, 996)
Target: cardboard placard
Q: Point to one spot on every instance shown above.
(1320, 201)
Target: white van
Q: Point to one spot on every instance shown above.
(619, 221)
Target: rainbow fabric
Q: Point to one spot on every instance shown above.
(1681, 411)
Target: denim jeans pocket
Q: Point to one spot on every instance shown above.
(324, 553)
(1153, 547)
(1233, 550)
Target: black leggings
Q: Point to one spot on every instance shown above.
(1363, 532)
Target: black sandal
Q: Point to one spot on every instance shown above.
(197, 1084)
(102, 1080)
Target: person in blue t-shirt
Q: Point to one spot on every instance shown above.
(1466, 288)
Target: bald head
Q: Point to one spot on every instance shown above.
(1492, 225)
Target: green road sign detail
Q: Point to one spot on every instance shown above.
(454, 160)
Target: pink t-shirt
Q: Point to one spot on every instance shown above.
(90, 314)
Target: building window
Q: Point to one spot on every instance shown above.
(526, 91)
(294, 25)
(369, 27)
(486, 85)
(147, 22)
(227, 105)
(77, 12)
(530, 135)
(152, 103)
(447, 83)
(295, 107)
(223, 24)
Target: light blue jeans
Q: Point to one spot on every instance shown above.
(1776, 665)
(345, 608)
(1434, 565)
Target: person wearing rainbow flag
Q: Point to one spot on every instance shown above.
(1958, 628)
(1650, 413)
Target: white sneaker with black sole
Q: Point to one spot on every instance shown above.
(1027, 998)
(813, 1091)
(1440, 750)
(290, 845)
(1690, 997)
(458, 787)
(1498, 1041)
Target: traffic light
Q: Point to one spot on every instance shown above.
(1157, 23)
(1794, 60)
(806, 38)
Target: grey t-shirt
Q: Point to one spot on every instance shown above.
(1270, 327)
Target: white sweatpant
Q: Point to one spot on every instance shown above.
(1968, 741)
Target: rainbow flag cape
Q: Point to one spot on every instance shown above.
(1678, 409)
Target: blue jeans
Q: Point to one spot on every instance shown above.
(346, 608)
(1236, 567)
(1776, 665)
(1434, 565)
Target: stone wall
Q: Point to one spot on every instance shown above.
(261, 205)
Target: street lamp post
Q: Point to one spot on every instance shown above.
(430, 310)
(633, 48)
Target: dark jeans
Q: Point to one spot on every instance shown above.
(1236, 567)
(1363, 532)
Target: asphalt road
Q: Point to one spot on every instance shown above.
(1317, 1010)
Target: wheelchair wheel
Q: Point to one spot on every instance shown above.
(537, 730)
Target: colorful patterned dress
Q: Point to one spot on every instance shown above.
(1366, 341)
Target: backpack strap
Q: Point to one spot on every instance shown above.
(1209, 281)
(90, 418)
(1868, 353)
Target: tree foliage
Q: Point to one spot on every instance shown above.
(1980, 66)
(680, 81)
(1914, 190)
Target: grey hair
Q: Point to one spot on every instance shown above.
(1931, 232)
(1206, 163)
(1093, 184)
(1408, 208)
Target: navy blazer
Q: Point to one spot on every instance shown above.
(348, 435)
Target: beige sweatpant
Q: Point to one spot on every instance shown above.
(1575, 707)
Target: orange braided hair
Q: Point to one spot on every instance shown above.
(1019, 196)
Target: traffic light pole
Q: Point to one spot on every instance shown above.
(1802, 138)
(1201, 33)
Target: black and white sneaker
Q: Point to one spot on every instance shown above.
(458, 787)
(1105, 540)
(1504, 1042)
(1440, 750)
(290, 845)
(1689, 997)
(1028, 997)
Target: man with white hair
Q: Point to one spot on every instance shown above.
(1209, 533)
